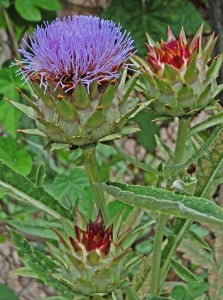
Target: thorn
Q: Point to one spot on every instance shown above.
(170, 35)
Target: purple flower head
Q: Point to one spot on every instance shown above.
(78, 49)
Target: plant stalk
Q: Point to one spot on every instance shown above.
(92, 170)
(156, 259)
(182, 133)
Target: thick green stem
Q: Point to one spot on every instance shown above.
(183, 127)
(182, 134)
(156, 259)
(92, 170)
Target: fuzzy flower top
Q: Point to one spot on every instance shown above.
(78, 49)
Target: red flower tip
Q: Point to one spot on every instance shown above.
(95, 236)
(174, 52)
(170, 35)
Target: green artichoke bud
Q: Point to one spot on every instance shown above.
(82, 118)
(180, 75)
(95, 260)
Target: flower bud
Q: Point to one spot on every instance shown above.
(181, 75)
(95, 260)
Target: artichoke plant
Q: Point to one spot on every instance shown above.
(77, 68)
(180, 75)
(95, 260)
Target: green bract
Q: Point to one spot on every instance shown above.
(180, 75)
(82, 117)
(90, 260)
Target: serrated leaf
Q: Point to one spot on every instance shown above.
(16, 184)
(162, 201)
(38, 262)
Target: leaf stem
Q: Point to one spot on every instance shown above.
(92, 170)
(156, 259)
(171, 247)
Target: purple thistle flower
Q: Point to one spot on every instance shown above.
(78, 49)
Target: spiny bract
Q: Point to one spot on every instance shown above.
(180, 75)
(74, 68)
(96, 259)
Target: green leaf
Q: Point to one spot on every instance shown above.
(27, 10)
(182, 271)
(210, 122)
(40, 175)
(18, 159)
(35, 227)
(17, 185)
(190, 291)
(51, 5)
(27, 110)
(9, 116)
(192, 235)
(148, 129)
(152, 16)
(199, 153)
(162, 201)
(6, 293)
(5, 3)
(70, 186)
(37, 262)
(158, 298)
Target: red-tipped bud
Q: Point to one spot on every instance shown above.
(94, 238)
(175, 52)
